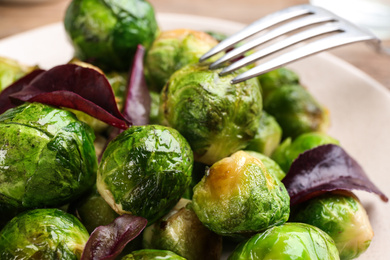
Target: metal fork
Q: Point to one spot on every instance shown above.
(301, 16)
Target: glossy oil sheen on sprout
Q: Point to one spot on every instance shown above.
(216, 117)
(296, 241)
(341, 216)
(238, 196)
(145, 171)
(47, 156)
(43, 234)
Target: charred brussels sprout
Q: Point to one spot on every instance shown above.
(289, 241)
(180, 231)
(43, 234)
(216, 117)
(173, 50)
(269, 164)
(47, 156)
(267, 137)
(11, 70)
(152, 254)
(342, 217)
(239, 197)
(107, 32)
(145, 171)
(296, 110)
(289, 150)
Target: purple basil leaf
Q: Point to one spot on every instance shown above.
(137, 103)
(107, 242)
(75, 87)
(5, 101)
(326, 168)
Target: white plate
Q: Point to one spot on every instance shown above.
(359, 106)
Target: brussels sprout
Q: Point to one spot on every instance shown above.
(47, 156)
(271, 166)
(289, 150)
(198, 171)
(267, 137)
(107, 32)
(217, 35)
(152, 254)
(341, 216)
(173, 50)
(154, 107)
(93, 211)
(238, 196)
(43, 234)
(11, 70)
(296, 110)
(272, 80)
(296, 241)
(145, 170)
(216, 117)
(180, 231)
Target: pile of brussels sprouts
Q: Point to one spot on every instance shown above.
(206, 173)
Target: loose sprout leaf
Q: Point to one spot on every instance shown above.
(5, 101)
(107, 242)
(75, 87)
(326, 168)
(137, 104)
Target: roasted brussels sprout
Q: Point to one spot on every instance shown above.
(216, 117)
(11, 70)
(181, 232)
(173, 50)
(106, 33)
(267, 137)
(289, 241)
(152, 254)
(43, 234)
(273, 80)
(296, 110)
(93, 211)
(47, 156)
(289, 150)
(341, 216)
(145, 170)
(154, 107)
(271, 166)
(239, 197)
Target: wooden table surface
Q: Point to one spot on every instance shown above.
(15, 18)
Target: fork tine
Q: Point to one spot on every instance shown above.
(258, 26)
(320, 17)
(333, 41)
(296, 38)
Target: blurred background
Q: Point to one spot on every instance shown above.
(21, 15)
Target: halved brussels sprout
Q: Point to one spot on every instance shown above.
(11, 70)
(43, 234)
(289, 150)
(296, 110)
(180, 231)
(239, 197)
(47, 156)
(152, 254)
(106, 33)
(216, 117)
(173, 50)
(341, 216)
(145, 170)
(267, 137)
(296, 241)
(271, 166)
